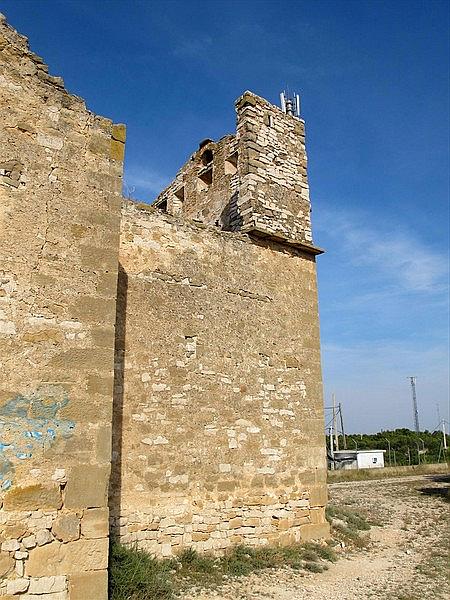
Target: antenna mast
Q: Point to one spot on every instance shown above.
(414, 400)
(290, 104)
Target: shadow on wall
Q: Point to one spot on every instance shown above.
(118, 393)
(230, 218)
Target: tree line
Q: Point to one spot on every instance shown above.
(403, 446)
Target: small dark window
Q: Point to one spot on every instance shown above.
(206, 176)
(204, 179)
(207, 157)
(231, 164)
(162, 205)
(180, 194)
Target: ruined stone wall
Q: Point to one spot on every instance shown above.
(255, 181)
(218, 390)
(60, 195)
(206, 187)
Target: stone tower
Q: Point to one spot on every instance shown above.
(60, 198)
(254, 181)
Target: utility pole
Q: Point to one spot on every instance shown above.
(332, 465)
(389, 446)
(441, 422)
(409, 457)
(414, 399)
(336, 435)
(342, 426)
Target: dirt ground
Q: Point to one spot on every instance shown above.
(407, 557)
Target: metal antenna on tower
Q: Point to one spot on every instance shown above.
(414, 399)
(290, 104)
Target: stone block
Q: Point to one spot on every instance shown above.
(33, 497)
(314, 531)
(318, 495)
(99, 144)
(94, 523)
(318, 515)
(6, 564)
(103, 336)
(103, 444)
(70, 558)
(119, 132)
(89, 309)
(80, 359)
(199, 537)
(10, 545)
(16, 586)
(29, 541)
(235, 523)
(16, 531)
(87, 487)
(117, 150)
(66, 527)
(100, 385)
(47, 585)
(92, 585)
(43, 536)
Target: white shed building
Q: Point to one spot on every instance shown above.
(358, 459)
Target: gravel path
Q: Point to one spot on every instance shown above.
(407, 558)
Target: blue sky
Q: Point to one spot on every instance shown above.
(373, 78)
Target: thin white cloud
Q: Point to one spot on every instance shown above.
(141, 180)
(385, 320)
(193, 48)
(398, 255)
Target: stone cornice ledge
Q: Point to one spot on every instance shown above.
(280, 239)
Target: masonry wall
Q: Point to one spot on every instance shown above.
(218, 390)
(274, 192)
(60, 195)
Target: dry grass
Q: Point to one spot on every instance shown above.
(135, 575)
(362, 474)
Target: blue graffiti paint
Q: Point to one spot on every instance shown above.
(37, 435)
(30, 425)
